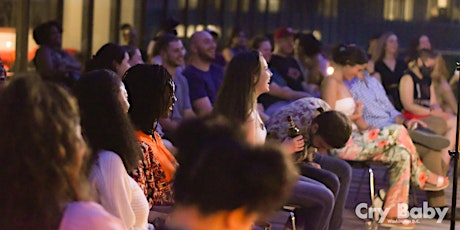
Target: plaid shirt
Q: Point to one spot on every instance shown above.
(378, 110)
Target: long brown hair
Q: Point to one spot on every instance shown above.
(41, 151)
(378, 52)
(235, 99)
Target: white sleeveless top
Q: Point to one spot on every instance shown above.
(261, 131)
(117, 192)
(347, 106)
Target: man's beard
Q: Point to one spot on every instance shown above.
(173, 63)
(204, 56)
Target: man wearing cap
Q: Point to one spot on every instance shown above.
(283, 60)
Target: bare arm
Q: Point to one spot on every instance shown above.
(329, 91)
(44, 63)
(286, 92)
(406, 92)
(202, 106)
(449, 97)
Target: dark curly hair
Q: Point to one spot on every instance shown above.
(42, 151)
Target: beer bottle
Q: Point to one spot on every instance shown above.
(293, 131)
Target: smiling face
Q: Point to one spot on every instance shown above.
(174, 54)
(205, 46)
(171, 98)
(263, 82)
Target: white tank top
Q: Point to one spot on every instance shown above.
(345, 105)
(261, 131)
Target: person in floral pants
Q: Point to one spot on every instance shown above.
(390, 145)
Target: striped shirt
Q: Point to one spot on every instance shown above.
(378, 110)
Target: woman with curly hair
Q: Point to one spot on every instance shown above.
(40, 139)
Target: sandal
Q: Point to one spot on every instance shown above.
(443, 182)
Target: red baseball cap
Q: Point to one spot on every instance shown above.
(283, 32)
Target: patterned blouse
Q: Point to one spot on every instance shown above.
(155, 172)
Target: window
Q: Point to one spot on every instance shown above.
(398, 10)
(273, 6)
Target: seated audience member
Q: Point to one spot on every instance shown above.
(283, 59)
(319, 130)
(236, 44)
(444, 94)
(280, 94)
(135, 55)
(51, 61)
(246, 77)
(103, 106)
(419, 99)
(389, 66)
(223, 182)
(44, 186)
(379, 112)
(308, 51)
(172, 52)
(151, 96)
(390, 144)
(203, 76)
(112, 57)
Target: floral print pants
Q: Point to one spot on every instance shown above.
(392, 146)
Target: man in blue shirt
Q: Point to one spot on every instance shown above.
(379, 112)
(204, 77)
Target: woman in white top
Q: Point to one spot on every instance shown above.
(106, 126)
(247, 77)
(43, 154)
(390, 145)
